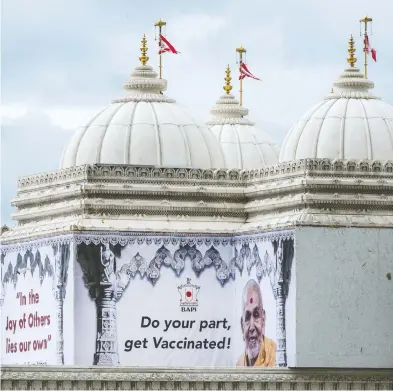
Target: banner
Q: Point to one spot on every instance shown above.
(182, 304)
(33, 306)
(148, 301)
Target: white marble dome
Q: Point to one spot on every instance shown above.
(244, 145)
(350, 123)
(144, 128)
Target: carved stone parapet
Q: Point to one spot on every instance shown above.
(134, 378)
(130, 172)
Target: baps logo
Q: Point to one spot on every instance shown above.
(188, 296)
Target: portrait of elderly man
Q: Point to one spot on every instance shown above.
(260, 351)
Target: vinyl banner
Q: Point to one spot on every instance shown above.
(34, 306)
(148, 301)
(182, 302)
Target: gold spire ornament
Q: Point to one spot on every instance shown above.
(241, 51)
(160, 24)
(143, 58)
(227, 88)
(351, 50)
(365, 20)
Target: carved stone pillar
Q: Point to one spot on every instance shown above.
(280, 326)
(60, 275)
(106, 286)
(106, 342)
(59, 296)
(279, 279)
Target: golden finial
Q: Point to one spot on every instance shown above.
(227, 88)
(241, 49)
(160, 23)
(351, 50)
(143, 58)
(366, 19)
(332, 91)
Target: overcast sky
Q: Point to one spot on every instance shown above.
(62, 60)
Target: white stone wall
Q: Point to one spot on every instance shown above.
(344, 298)
(290, 318)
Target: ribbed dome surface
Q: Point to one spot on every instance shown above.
(244, 145)
(349, 124)
(144, 128)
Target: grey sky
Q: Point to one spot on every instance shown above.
(64, 59)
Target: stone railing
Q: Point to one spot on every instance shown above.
(111, 172)
(122, 378)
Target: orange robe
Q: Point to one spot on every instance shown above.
(266, 356)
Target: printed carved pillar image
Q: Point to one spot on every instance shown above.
(60, 275)
(280, 278)
(105, 287)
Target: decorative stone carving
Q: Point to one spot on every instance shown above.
(101, 170)
(245, 256)
(84, 378)
(273, 197)
(99, 269)
(223, 271)
(237, 260)
(60, 276)
(280, 276)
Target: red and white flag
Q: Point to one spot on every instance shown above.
(374, 54)
(368, 50)
(166, 46)
(245, 72)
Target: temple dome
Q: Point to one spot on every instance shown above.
(244, 145)
(144, 127)
(350, 123)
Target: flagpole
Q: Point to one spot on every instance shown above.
(365, 20)
(160, 24)
(241, 50)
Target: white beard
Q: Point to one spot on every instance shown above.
(253, 350)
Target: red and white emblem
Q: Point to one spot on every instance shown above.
(188, 294)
